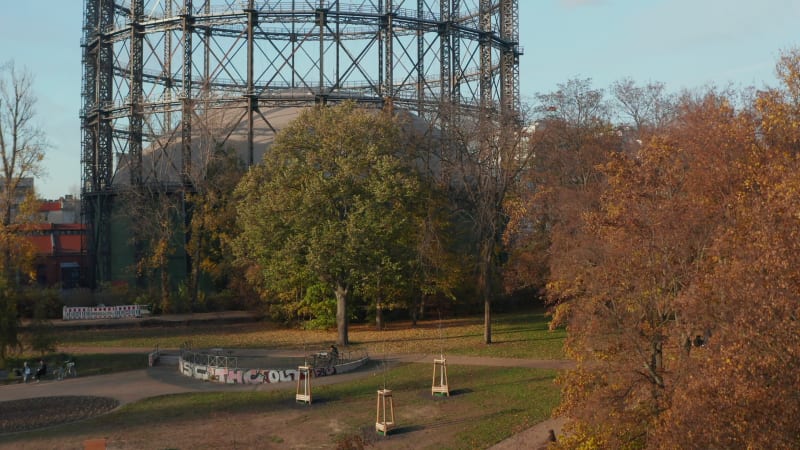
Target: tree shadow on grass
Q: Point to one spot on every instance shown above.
(425, 394)
(404, 430)
(459, 392)
(509, 341)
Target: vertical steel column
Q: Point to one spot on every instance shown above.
(89, 116)
(455, 48)
(338, 40)
(420, 58)
(207, 54)
(166, 71)
(293, 39)
(445, 75)
(105, 92)
(97, 143)
(386, 32)
(485, 42)
(252, 100)
(135, 71)
(322, 22)
(381, 49)
(509, 59)
(187, 28)
(105, 150)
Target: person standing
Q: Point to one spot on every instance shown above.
(334, 353)
(26, 372)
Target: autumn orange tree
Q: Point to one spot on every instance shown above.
(658, 215)
(740, 391)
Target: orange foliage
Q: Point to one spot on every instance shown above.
(741, 390)
(651, 281)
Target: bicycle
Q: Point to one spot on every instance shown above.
(66, 370)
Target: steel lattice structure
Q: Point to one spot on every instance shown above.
(147, 63)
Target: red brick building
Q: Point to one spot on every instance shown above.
(60, 243)
(60, 253)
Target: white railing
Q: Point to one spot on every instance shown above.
(102, 312)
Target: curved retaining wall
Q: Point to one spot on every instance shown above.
(230, 375)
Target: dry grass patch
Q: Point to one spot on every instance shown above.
(515, 335)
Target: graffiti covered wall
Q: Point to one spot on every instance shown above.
(246, 376)
(230, 375)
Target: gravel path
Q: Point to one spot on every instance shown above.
(34, 413)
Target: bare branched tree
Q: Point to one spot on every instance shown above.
(646, 108)
(22, 142)
(487, 156)
(185, 204)
(22, 148)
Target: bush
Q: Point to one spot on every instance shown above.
(41, 338)
(39, 302)
(321, 308)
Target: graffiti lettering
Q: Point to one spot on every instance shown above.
(324, 371)
(248, 376)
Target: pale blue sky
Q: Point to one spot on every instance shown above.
(683, 43)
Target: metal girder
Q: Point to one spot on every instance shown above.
(252, 105)
(485, 23)
(186, 96)
(136, 93)
(509, 62)
(445, 53)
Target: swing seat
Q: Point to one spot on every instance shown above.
(439, 385)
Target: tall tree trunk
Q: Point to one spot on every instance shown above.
(415, 309)
(195, 234)
(341, 315)
(485, 287)
(165, 303)
(193, 264)
(487, 321)
(7, 254)
(378, 316)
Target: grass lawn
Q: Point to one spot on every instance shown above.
(515, 335)
(487, 404)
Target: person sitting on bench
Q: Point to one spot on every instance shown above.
(41, 371)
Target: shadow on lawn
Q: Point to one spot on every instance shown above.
(510, 341)
(495, 332)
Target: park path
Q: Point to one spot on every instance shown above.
(164, 378)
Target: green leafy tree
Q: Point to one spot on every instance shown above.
(9, 325)
(333, 192)
(212, 223)
(42, 337)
